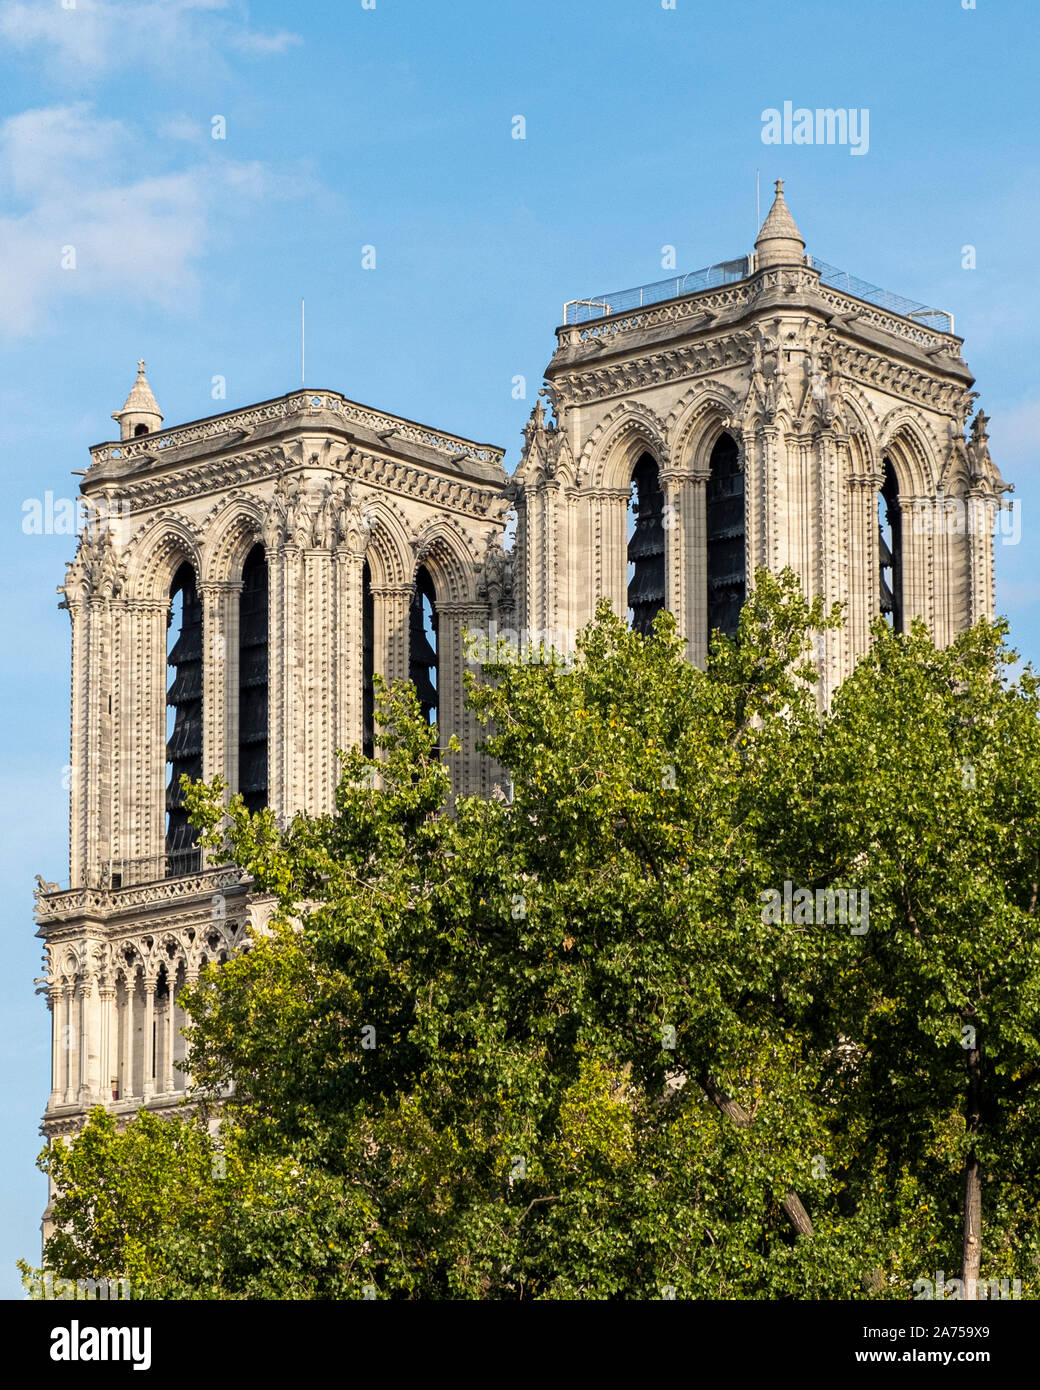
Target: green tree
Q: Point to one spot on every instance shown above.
(551, 1044)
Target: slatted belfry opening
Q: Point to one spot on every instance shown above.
(727, 580)
(184, 697)
(646, 547)
(252, 681)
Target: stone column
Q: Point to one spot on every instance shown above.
(78, 744)
(98, 768)
(980, 523)
(607, 511)
(126, 1087)
(452, 715)
(55, 1005)
(220, 602)
(90, 1039)
(168, 1074)
(829, 560)
(686, 558)
(917, 564)
(390, 603)
(288, 742)
(865, 577)
(276, 679)
(143, 729)
(319, 681)
(347, 649)
(148, 1051)
(107, 1048)
(191, 976)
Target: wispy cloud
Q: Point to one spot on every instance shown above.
(261, 45)
(83, 220)
(90, 37)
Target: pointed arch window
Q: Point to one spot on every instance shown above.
(252, 681)
(727, 578)
(368, 664)
(645, 546)
(184, 717)
(422, 644)
(890, 549)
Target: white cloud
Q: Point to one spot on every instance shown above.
(92, 36)
(56, 147)
(72, 179)
(263, 44)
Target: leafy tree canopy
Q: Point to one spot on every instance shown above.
(716, 998)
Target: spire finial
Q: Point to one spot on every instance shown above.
(140, 413)
(779, 242)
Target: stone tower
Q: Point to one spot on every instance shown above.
(243, 577)
(768, 411)
(240, 580)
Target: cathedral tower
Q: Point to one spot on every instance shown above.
(243, 577)
(764, 412)
(240, 581)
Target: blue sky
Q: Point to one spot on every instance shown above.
(391, 127)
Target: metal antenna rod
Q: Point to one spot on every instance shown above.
(303, 342)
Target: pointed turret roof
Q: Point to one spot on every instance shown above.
(779, 242)
(140, 401)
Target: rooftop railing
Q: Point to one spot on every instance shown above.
(937, 319)
(725, 273)
(729, 272)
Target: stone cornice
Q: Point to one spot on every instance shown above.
(74, 907)
(215, 476)
(624, 378)
(642, 373)
(309, 409)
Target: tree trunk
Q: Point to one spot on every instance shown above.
(791, 1206)
(972, 1256)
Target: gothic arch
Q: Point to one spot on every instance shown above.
(855, 398)
(442, 549)
(387, 549)
(698, 419)
(864, 429)
(914, 458)
(703, 436)
(231, 533)
(162, 951)
(565, 472)
(956, 477)
(157, 553)
(615, 445)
